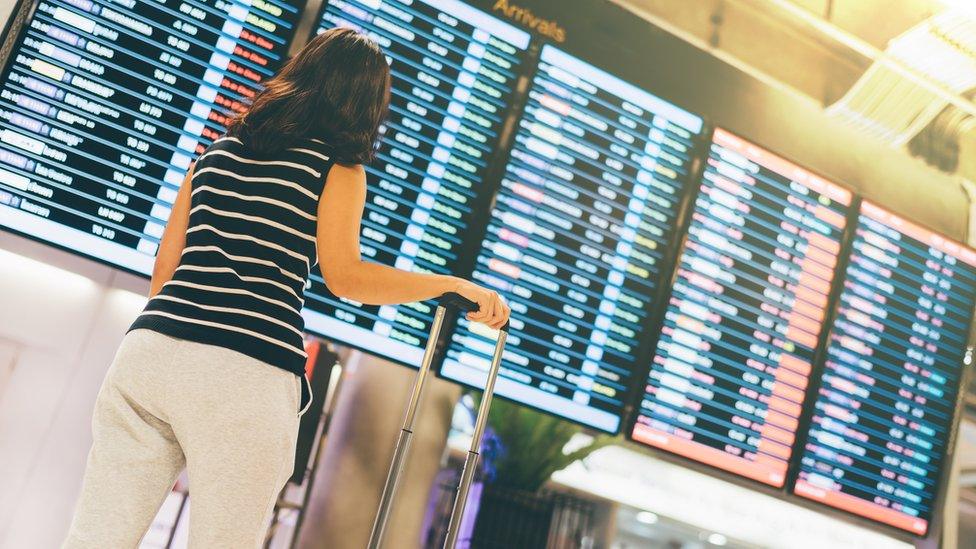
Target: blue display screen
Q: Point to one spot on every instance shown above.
(577, 239)
(104, 105)
(728, 378)
(454, 72)
(884, 411)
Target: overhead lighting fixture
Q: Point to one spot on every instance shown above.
(717, 539)
(959, 4)
(646, 517)
(922, 71)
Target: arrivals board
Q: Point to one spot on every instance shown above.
(728, 377)
(577, 240)
(104, 104)
(884, 411)
(454, 71)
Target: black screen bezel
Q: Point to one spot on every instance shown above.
(12, 36)
(818, 350)
(945, 461)
(667, 261)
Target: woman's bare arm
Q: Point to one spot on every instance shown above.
(174, 238)
(340, 213)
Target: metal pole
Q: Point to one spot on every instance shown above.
(406, 432)
(331, 395)
(176, 523)
(474, 453)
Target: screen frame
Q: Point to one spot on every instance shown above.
(691, 191)
(12, 32)
(20, 11)
(667, 261)
(818, 350)
(480, 220)
(815, 381)
(480, 216)
(819, 368)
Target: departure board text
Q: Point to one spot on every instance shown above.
(884, 411)
(728, 378)
(454, 70)
(104, 104)
(577, 239)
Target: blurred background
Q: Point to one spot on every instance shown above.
(851, 102)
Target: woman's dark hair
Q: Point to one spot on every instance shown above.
(337, 89)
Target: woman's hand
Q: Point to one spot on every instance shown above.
(492, 311)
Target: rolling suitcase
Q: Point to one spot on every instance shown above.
(450, 301)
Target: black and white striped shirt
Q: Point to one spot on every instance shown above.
(250, 244)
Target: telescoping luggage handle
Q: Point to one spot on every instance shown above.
(448, 301)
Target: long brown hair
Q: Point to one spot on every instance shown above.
(337, 89)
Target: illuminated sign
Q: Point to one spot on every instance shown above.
(104, 104)
(728, 378)
(577, 239)
(884, 411)
(454, 70)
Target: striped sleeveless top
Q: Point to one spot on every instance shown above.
(250, 245)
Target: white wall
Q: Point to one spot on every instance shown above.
(61, 319)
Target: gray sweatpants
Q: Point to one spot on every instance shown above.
(166, 403)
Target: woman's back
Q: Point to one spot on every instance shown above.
(250, 244)
(221, 390)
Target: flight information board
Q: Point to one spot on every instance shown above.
(575, 242)
(454, 71)
(105, 103)
(884, 411)
(728, 377)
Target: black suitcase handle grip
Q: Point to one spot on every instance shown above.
(452, 300)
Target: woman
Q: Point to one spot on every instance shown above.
(211, 375)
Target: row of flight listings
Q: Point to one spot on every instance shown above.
(802, 325)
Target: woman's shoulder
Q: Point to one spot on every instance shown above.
(225, 143)
(313, 152)
(320, 145)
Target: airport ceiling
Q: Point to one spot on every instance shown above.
(902, 70)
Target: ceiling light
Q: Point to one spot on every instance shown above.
(717, 539)
(958, 4)
(921, 72)
(646, 517)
